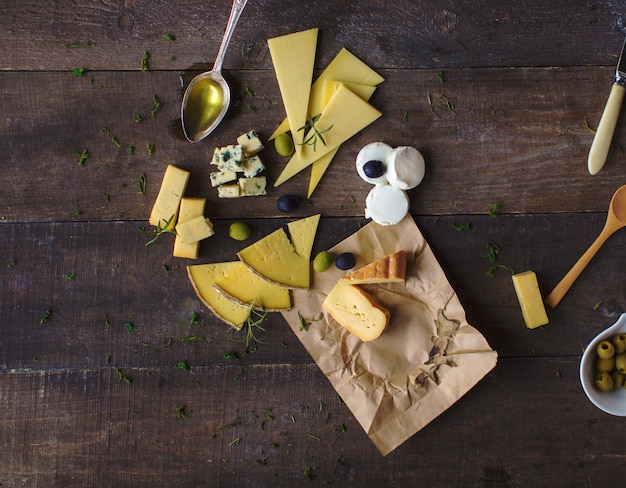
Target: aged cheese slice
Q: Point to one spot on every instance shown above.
(195, 229)
(529, 296)
(189, 209)
(345, 67)
(247, 288)
(331, 86)
(202, 277)
(293, 56)
(172, 189)
(275, 258)
(357, 311)
(345, 115)
(390, 269)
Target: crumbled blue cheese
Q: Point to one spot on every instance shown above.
(252, 186)
(216, 156)
(252, 166)
(230, 158)
(221, 177)
(251, 143)
(231, 190)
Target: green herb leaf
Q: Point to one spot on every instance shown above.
(83, 156)
(493, 211)
(141, 184)
(170, 37)
(78, 72)
(144, 61)
(156, 106)
(46, 316)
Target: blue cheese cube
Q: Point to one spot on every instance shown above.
(232, 190)
(221, 177)
(251, 143)
(252, 166)
(216, 156)
(251, 187)
(231, 158)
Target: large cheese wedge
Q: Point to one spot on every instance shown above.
(202, 277)
(293, 56)
(247, 288)
(172, 189)
(345, 67)
(275, 258)
(390, 269)
(357, 311)
(345, 115)
(189, 208)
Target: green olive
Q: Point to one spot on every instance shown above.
(603, 381)
(605, 365)
(619, 341)
(605, 350)
(322, 261)
(618, 378)
(284, 144)
(239, 231)
(620, 362)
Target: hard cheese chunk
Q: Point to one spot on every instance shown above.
(293, 56)
(247, 288)
(190, 208)
(202, 277)
(389, 269)
(250, 187)
(250, 143)
(357, 311)
(195, 229)
(530, 300)
(172, 189)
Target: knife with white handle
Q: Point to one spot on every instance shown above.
(606, 128)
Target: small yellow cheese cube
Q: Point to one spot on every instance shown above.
(195, 230)
(190, 208)
(530, 300)
(165, 207)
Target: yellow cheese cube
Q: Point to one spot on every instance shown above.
(189, 208)
(172, 189)
(195, 230)
(530, 300)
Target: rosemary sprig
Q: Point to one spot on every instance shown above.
(160, 230)
(254, 320)
(316, 135)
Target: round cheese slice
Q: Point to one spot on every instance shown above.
(405, 167)
(370, 153)
(386, 204)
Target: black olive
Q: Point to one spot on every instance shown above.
(374, 168)
(288, 203)
(345, 260)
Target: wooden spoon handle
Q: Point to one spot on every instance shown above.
(564, 285)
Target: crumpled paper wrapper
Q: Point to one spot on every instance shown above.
(426, 359)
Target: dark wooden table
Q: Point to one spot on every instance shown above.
(499, 96)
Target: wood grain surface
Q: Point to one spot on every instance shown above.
(112, 373)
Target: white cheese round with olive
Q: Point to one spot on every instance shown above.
(371, 163)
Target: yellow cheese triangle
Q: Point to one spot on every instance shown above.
(302, 233)
(345, 115)
(293, 56)
(331, 86)
(390, 269)
(345, 67)
(247, 288)
(202, 277)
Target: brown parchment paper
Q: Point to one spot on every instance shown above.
(426, 359)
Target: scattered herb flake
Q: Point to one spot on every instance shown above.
(121, 376)
(170, 37)
(156, 106)
(305, 323)
(180, 411)
(249, 92)
(405, 116)
(182, 365)
(493, 211)
(11, 263)
(235, 442)
(78, 72)
(71, 276)
(46, 316)
(82, 157)
(131, 150)
(80, 45)
(440, 77)
(150, 149)
(138, 118)
(141, 184)
(144, 61)
(462, 227)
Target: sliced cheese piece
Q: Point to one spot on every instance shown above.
(189, 208)
(247, 288)
(250, 187)
(302, 233)
(275, 258)
(529, 296)
(390, 269)
(250, 143)
(293, 56)
(202, 277)
(231, 190)
(331, 86)
(195, 229)
(345, 67)
(165, 209)
(318, 168)
(357, 311)
(345, 115)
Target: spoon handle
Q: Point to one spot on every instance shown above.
(235, 13)
(564, 285)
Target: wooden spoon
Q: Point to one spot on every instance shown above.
(615, 220)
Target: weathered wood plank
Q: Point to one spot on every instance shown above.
(513, 136)
(409, 35)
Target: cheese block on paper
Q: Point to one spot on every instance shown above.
(345, 115)
(529, 296)
(189, 208)
(172, 189)
(389, 269)
(195, 229)
(293, 56)
(275, 258)
(345, 67)
(250, 143)
(247, 288)
(357, 311)
(202, 277)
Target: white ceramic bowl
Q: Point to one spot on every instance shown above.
(613, 402)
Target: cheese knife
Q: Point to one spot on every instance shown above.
(604, 133)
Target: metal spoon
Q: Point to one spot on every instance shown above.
(615, 220)
(207, 97)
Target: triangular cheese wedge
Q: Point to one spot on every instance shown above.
(331, 86)
(202, 277)
(293, 56)
(390, 269)
(247, 288)
(275, 258)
